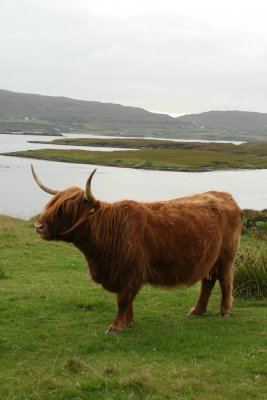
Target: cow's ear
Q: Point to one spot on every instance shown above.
(88, 192)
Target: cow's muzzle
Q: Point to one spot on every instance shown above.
(39, 227)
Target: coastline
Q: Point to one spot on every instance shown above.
(142, 165)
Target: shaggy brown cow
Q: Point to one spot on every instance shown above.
(167, 243)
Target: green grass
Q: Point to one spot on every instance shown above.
(185, 157)
(53, 346)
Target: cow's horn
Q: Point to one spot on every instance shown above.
(41, 185)
(88, 192)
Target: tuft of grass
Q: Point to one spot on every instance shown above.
(3, 274)
(251, 273)
(251, 264)
(74, 364)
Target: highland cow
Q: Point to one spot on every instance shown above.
(167, 243)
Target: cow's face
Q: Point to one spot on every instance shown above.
(66, 210)
(59, 215)
(46, 228)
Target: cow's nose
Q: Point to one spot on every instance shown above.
(39, 226)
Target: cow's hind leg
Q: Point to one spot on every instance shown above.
(207, 285)
(124, 316)
(226, 283)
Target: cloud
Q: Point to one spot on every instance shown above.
(179, 57)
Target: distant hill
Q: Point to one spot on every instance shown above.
(31, 113)
(61, 113)
(230, 121)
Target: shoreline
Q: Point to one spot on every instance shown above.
(133, 166)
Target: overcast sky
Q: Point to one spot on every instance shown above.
(170, 56)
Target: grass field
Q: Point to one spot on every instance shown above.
(159, 155)
(53, 345)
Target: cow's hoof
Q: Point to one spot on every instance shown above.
(114, 329)
(225, 312)
(196, 311)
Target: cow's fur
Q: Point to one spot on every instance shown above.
(167, 243)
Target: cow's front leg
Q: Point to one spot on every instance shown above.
(124, 316)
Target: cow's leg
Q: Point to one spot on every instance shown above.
(226, 283)
(124, 316)
(206, 288)
(129, 316)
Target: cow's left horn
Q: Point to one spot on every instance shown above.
(41, 185)
(88, 192)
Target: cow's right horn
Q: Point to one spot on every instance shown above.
(88, 192)
(41, 185)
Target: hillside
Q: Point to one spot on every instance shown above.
(18, 110)
(230, 121)
(31, 113)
